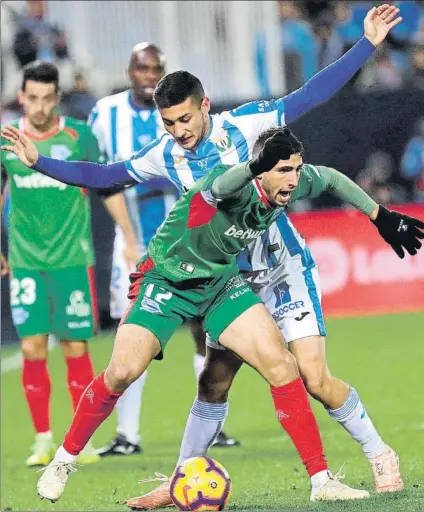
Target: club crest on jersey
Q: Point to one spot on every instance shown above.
(77, 305)
(151, 306)
(223, 143)
(60, 152)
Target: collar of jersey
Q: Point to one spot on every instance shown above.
(134, 106)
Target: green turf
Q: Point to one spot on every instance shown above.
(383, 358)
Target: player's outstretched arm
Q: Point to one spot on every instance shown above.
(320, 88)
(398, 230)
(80, 174)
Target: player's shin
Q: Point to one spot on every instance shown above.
(353, 417)
(297, 418)
(204, 424)
(36, 384)
(95, 406)
(79, 375)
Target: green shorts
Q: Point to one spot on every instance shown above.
(161, 305)
(62, 302)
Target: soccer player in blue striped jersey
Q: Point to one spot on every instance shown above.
(196, 142)
(124, 124)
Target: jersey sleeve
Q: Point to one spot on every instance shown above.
(314, 180)
(148, 163)
(235, 202)
(260, 115)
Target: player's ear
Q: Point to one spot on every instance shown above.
(58, 97)
(20, 96)
(205, 105)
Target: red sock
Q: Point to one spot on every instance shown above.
(80, 374)
(95, 405)
(296, 416)
(36, 383)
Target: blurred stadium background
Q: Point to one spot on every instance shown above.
(373, 131)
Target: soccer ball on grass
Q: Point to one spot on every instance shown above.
(200, 483)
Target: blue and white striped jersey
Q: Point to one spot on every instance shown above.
(230, 141)
(122, 129)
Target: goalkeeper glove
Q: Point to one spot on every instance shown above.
(399, 230)
(276, 148)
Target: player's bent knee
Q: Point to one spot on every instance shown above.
(281, 371)
(34, 347)
(213, 391)
(118, 377)
(317, 383)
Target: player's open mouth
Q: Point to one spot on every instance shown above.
(284, 194)
(184, 141)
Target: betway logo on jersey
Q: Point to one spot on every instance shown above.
(248, 234)
(38, 181)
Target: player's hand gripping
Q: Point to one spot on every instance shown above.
(379, 21)
(22, 146)
(399, 230)
(274, 150)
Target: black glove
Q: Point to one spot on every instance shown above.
(276, 148)
(399, 230)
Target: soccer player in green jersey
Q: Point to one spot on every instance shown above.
(191, 271)
(51, 258)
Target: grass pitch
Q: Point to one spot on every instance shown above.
(382, 356)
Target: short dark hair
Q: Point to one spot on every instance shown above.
(292, 144)
(176, 87)
(40, 71)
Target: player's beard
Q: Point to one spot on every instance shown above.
(42, 125)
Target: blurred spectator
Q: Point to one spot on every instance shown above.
(412, 164)
(411, 13)
(376, 180)
(415, 75)
(298, 43)
(35, 37)
(79, 101)
(329, 45)
(348, 27)
(380, 74)
(9, 112)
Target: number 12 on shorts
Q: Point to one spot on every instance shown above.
(158, 296)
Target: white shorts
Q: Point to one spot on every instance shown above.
(120, 278)
(292, 294)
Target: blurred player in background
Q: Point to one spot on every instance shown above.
(51, 258)
(123, 124)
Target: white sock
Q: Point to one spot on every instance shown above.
(63, 456)
(128, 409)
(355, 420)
(199, 363)
(203, 425)
(45, 435)
(320, 478)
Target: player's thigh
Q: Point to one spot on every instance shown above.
(293, 297)
(74, 303)
(311, 360)
(134, 348)
(157, 305)
(30, 302)
(241, 323)
(199, 335)
(221, 366)
(119, 280)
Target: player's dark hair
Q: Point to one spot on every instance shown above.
(40, 71)
(176, 87)
(291, 144)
